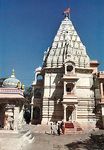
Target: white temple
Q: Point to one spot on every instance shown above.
(63, 86)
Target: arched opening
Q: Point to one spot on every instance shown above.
(39, 77)
(69, 68)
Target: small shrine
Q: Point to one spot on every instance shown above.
(11, 102)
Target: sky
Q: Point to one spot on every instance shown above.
(28, 27)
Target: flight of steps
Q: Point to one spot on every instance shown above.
(72, 128)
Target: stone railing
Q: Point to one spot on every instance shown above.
(11, 91)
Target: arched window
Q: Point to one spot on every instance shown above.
(39, 77)
(69, 68)
(69, 87)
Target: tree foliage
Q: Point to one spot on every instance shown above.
(28, 93)
(1, 81)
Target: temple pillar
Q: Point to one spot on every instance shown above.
(75, 113)
(65, 106)
(64, 88)
(16, 116)
(102, 103)
(32, 107)
(101, 88)
(102, 109)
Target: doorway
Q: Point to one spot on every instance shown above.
(69, 113)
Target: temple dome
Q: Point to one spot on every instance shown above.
(11, 82)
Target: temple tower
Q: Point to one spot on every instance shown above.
(67, 78)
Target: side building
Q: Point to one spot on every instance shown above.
(64, 86)
(11, 102)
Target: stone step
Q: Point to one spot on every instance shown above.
(72, 131)
(72, 128)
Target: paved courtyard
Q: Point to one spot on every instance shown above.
(46, 141)
(53, 142)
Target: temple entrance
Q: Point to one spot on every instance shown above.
(69, 112)
(36, 115)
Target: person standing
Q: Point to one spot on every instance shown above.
(7, 125)
(10, 120)
(51, 128)
(62, 127)
(55, 128)
(58, 130)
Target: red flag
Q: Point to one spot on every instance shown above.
(67, 11)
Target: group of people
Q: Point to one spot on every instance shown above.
(57, 128)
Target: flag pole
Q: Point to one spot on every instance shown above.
(67, 12)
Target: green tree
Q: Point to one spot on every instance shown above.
(1, 81)
(28, 93)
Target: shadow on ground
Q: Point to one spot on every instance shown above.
(95, 142)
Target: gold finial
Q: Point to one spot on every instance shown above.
(23, 87)
(19, 85)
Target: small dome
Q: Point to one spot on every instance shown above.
(38, 69)
(11, 82)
